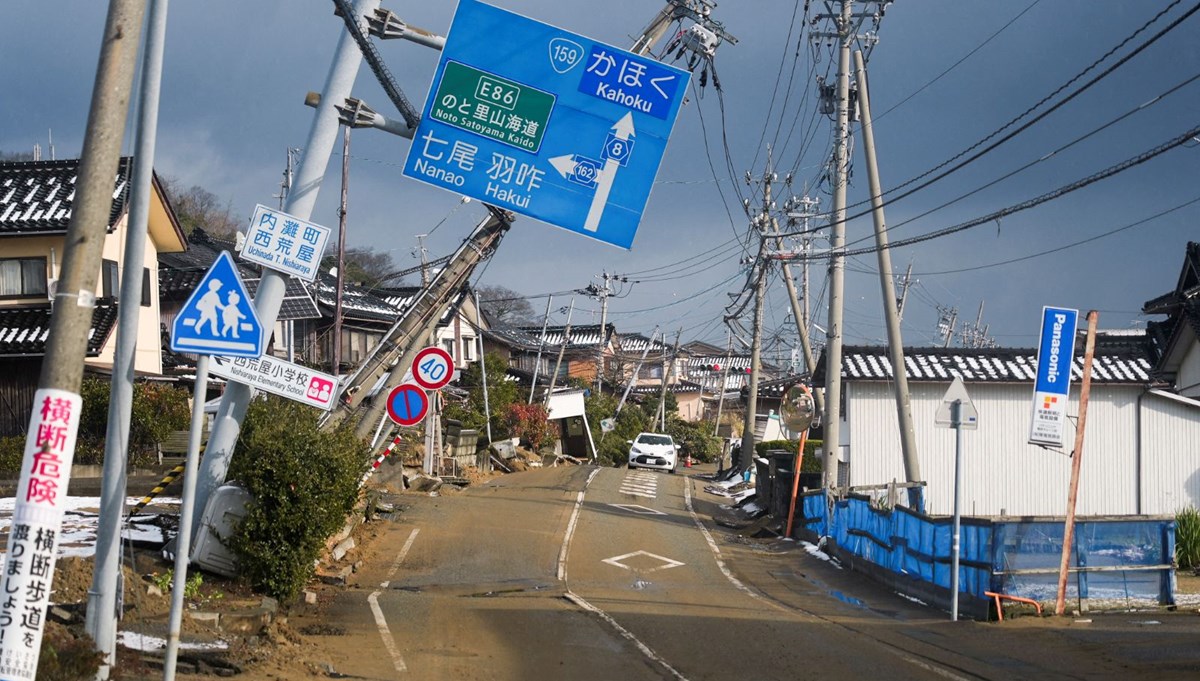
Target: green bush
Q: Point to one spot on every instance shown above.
(158, 409)
(501, 394)
(612, 448)
(1187, 538)
(695, 439)
(304, 482)
(12, 454)
(810, 463)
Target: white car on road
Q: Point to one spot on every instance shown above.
(653, 450)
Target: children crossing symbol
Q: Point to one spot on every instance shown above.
(218, 318)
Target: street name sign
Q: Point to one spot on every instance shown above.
(1056, 356)
(218, 318)
(285, 243)
(279, 377)
(407, 404)
(546, 123)
(969, 417)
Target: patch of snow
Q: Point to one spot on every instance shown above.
(752, 507)
(148, 644)
(906, 597)
(816, 552)
(80, 517)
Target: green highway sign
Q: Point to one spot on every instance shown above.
(495, 107)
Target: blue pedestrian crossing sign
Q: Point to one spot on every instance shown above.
(219, 318)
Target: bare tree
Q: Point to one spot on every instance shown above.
(198, 207)
(505, 306)
(364, 266)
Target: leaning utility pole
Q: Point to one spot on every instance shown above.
(341, 254)
(562, 349)
(908, 436)
(760, 292)
(845, 25)
(667, 372)
(57, 404)
(798, 312)
(267, 300)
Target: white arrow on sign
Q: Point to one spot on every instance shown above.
(604, 180)
(565, 165)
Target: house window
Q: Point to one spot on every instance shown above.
(110, 282)
(469, 349)
(145, 287)
(448, 346)
(22, 277)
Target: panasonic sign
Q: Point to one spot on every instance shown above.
(1052, 390)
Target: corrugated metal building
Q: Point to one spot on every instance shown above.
(1141, 453)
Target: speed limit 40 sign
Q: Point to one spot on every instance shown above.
(432, 368)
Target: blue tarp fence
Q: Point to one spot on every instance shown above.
(1115, 562)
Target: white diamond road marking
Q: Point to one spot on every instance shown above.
(667, 562)
(640, 510)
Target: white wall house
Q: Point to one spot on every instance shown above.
(1141, 453)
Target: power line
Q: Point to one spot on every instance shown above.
(1121, 62)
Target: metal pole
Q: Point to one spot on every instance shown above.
(341, 254)
(908, 436)
(537, 364)
(483, 369)
(837, 266)
(956, 423)
(636, 371)
(561, 349)
(184, 539)
(102, 612)
(796, 483)
(760, 292)
(309, 174)
(1085, 389)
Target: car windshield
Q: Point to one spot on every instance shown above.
(655, 440)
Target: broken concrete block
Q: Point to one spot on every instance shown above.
(424, 483)
(310, 597)
(343, 547)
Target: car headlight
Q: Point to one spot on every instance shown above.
(635, 450)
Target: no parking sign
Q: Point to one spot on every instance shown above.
(432, 369)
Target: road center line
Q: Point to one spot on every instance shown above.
(385, 633)
(566, 545)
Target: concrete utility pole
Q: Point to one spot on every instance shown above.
(721, 385)
(667, 372)
(309, 175)
(341, 254)
(636, 370)
(798, 312)
(908, 437)
(537, 364)
(760, 292)
(841, 164)
(562, 349)
(904, 285)
(66, 348)
(602, 293)
(102, 609)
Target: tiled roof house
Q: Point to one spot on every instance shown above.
(36, 200)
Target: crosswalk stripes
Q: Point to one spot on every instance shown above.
(640, 484)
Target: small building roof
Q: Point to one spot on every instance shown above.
(1117, 360)
(23, 330)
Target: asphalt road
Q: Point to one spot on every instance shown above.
(582, 573)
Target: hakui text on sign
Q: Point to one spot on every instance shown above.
(1052, 391)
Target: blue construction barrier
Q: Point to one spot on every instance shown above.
(1116, 561)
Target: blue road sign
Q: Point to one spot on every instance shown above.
(407, 404)
(546, 123)
(1056, 356)
(218, 318)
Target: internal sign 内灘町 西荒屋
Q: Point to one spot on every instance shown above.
(564, 129)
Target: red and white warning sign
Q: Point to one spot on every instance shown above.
(433, 368)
